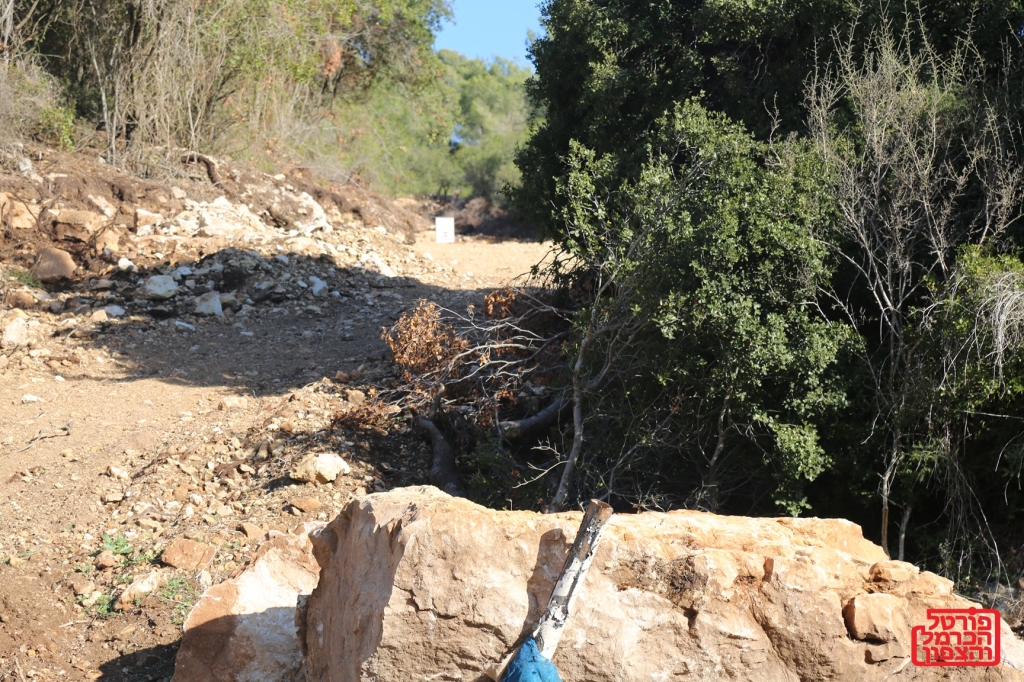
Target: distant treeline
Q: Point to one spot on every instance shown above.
(347, 87)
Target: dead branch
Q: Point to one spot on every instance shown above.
(531, 426)
(211, 165)
(442, 468)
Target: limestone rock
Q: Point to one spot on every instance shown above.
(53, 265)
(107, 240)
(144, 218)
(158, 288)
(244, 630)
(15, 334)
(209, 304)
(322, 468)
(307, 505)
(372, 261)
(188, 555)
(419, 585)
(17, 214)
(894, 571)
(102, 205)
(78, 225)
(877, 617)
(300, 211)
(251, 530)
(21, 300)
(107, 559)
(233, 402)
(140, 587)
(318, 287)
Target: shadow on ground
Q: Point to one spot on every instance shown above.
(273, 335)
(145, 665)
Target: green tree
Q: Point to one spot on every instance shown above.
(607, 70)
(493, 121)
(204, 75)
(703, 361)
(457, 136)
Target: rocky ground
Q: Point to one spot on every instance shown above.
(172, 356)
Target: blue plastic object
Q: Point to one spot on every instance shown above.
(530, 666)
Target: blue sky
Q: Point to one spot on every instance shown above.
(490, 28)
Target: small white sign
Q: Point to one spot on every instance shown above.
(445, 228)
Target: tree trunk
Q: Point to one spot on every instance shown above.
(532, 425)
(442, 469)
(6, 29)
(885, 526)
(903, 529)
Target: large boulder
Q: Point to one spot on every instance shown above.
(419, 585)
(243, 630)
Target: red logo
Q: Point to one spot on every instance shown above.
(957, 637)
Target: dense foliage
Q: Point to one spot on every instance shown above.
(831, 314)
(456, 137)
(707, 362)
(608, 69)
(353, 89)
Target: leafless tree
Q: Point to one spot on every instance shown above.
(923, 173)
(6, 29)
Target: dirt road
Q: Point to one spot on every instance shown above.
(129, 422)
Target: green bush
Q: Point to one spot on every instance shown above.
(706, 364)
(57, 125)
(607, 70)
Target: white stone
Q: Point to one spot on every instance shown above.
(114, 311)
(373, 261)
(319, 287)
(147, 584)
(102, 205)
(144, 218)
(244, 629)
(125, 264)
(209, 304)
(322, 468)
(29, 398)
(158, 288)
(16, 334)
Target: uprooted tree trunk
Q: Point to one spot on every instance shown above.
(532, 426)
(442, 467)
